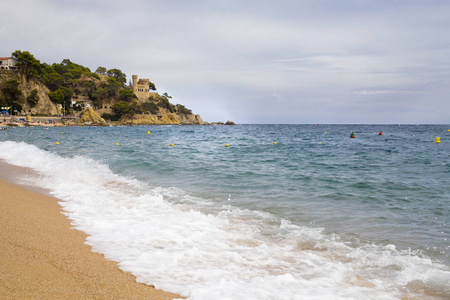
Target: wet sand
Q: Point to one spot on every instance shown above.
(41, 257)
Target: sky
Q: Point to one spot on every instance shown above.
(282, 62)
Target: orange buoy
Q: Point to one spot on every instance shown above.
(381, 133)
(352, 135)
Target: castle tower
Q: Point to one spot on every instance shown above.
(135, 80)
(141, 88)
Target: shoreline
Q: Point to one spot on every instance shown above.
(43, 257)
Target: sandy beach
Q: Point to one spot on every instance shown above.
(43, 258)
(19, 121)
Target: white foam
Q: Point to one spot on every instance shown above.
(202, 252)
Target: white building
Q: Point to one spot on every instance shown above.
(8, 63)
(82, 101)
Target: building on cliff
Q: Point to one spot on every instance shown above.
(8, 63)
(82, 101)
(141, 88)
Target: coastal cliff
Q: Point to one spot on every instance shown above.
(65, 89)
(43, 105)
(71, 90)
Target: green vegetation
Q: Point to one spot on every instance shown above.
(127, 95)
(69, 78)
(12, 95)
(27, 64)
(56, 96)
(111, 117)
(183, 110)
(33, 98)
(101, 70)
(118, 75)
(66, 79)
(11, 91)
(150, 107)
(164, 103)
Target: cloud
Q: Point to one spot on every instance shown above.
(381, 92)
(321, 61)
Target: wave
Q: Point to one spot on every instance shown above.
(187, 245)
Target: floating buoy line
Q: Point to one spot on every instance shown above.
(352, 135)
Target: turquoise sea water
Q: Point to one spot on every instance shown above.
(374, 193)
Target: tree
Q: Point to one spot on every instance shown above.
(56, 96)
(76, 70)
(111, 88)
(111, 117)
(52, 79)
(123, 107)
(101, 70)
(150, 107)
(118, 75)
(62, 96)
(66, 62)
(33, 98)
(61, 69)
(165, 103)
(67, 93)
(94, 75)
(152, 86)
(90, 89)
(182, 109)
(127, 95)
(67, 76)
(15, 107)
(12, 93)
(27, 64)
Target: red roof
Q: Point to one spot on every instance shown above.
(4, 58)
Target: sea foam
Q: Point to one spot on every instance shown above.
(200, 251)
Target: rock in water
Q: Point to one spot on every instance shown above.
(90, 116)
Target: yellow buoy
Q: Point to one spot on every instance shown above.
(438, 140)
(326, 132)
(117, 143)
(274, 143)
(62, 132)
(148, 132)
(56, 143)
(31, 133)
(172, 145)
(226, 145)
(449, 130)
(320, 143)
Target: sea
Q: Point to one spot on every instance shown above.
(255, 211)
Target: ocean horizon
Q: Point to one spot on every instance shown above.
(255, 211)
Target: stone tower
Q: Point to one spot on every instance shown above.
(141, 88)
(135, 79)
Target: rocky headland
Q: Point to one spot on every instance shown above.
(73, 95)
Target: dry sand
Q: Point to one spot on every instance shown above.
(41, 257)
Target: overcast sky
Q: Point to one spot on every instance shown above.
(355, 61)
